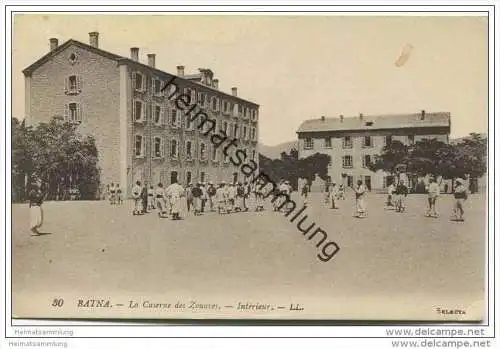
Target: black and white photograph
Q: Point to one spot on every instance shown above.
(249, 166)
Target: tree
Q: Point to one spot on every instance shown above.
(59, 155)
(423, 157)
(291, 168)
(22, 158)
(393, 155)
(313, 165)
(467, 158)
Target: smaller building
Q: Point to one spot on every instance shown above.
(352, 142)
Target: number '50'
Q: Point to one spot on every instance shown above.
(57, 302)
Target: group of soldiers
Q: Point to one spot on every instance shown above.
(228, 197)
(396, 197)
(397, 193)
(113, 193)
(197, 198)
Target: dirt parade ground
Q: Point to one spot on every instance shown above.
(92, 247)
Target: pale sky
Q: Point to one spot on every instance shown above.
(296, 67)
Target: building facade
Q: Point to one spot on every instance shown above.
(124, 104)
(353, 142)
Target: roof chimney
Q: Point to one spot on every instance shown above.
(180, 70)
(94, 39)
(234, 91)
(53, 43)
(341, 118)
(134, 53)
(216, 83)
(422, 115)
(151, 59)
(323, 118)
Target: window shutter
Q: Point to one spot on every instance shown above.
(134, 76)
(166, 117)
(66, 111)
(79, 83)
(79, 113)
(144, 86)
(66, 84)
(133, 111)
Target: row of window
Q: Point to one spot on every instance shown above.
(168, 177)
(173, 149)
(347, 161)
(173, 118)
(367, 180)
(201, 99)
(347, 141)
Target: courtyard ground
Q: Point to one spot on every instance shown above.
(386, 261)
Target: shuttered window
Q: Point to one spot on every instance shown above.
(73, 85)
(73, 112)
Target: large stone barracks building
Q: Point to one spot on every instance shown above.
(352, 142)
(140, 134)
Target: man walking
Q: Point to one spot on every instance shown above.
(35, 197)
(189, 196)
(161, 203)
(333, 194)
(174, 192)
(401, 193)
(390, 192)
(360, 192)
(221, 198)
(197, 197)
(204, 196)
(211, 191)
(144, 197)
(432, 195)
(136, 195)
(461, 196)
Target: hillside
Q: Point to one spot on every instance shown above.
(273, 152)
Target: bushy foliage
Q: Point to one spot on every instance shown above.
(56, 153)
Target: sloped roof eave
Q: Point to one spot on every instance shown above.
(32, 67)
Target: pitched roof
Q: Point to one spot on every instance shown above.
(376, 122)
(120, 59)
(60, 48)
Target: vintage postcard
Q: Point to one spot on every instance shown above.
(249, 166)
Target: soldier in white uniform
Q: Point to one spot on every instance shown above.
(161, 203)
(259, 198)
(220, 196)
(175, 192)
(136, 195)
(231, 197)
(151, 198)
(333, 195)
